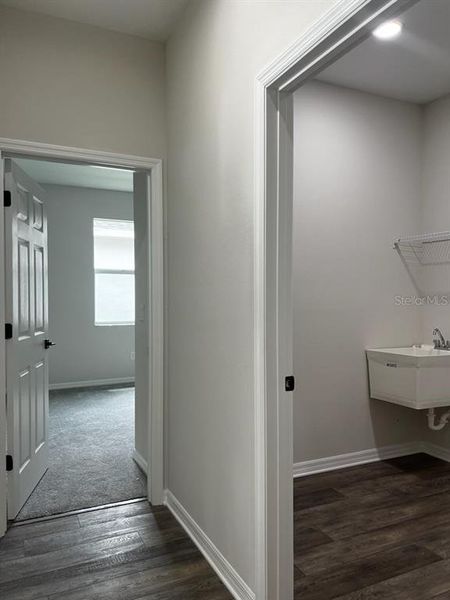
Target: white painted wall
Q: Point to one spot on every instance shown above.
(83, 352)
(212, 61)
(436, 217)
(436, 209)
(75, 85)
(357, 186)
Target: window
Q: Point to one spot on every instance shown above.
(114, 272)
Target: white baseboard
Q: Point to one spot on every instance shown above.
(235, 584)
(436, 451)
(331, 463)
(140, 460)
(94, 383)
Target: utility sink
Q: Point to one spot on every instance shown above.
(416, 376)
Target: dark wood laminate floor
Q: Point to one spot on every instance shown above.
(129, 552)
(375, 532)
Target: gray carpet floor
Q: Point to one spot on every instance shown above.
(91, 445)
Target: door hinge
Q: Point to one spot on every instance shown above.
(9, 462)
(8, 331)
(289, 383)
(6, 198)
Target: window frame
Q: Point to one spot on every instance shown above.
(103, 271)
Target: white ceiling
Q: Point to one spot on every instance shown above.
(152, 19)
(414, 67)
(77, 175)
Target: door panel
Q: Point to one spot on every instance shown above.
(23, 203)
(41, 406)
(25, 418)
(23, 282)
(39, 290)
(26, 357)
(38, 214)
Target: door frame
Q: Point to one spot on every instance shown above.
(156, 322)
(346, 24)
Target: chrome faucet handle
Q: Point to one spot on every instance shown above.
(439, 341)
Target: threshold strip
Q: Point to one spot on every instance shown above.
(76, 512)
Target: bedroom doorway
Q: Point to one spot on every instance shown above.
(85, 302)
(73, 439)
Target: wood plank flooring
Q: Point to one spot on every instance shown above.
(129, 552)
(375, 532)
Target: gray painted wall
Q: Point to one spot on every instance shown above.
(357, 186)
(83, 351)
(436, 209)
(212, 61)
(367, 170)
(76, 85)
(436, 217)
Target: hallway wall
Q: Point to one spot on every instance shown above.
(76, 85)
(213, 59)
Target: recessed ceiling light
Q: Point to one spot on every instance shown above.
(388, 30)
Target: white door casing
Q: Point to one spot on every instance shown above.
(150, 320)
(154, 167)
(26, 308)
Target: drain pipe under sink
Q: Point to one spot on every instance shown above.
(431, 415)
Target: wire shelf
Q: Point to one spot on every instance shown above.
(425, 249)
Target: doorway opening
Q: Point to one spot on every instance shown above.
(332, 37)
(83, 271)
(93, 409)
(370, 267)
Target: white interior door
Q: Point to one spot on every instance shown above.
(26, 349)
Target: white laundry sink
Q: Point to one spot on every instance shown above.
(416, 376)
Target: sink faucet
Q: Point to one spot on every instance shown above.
(439, 341)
